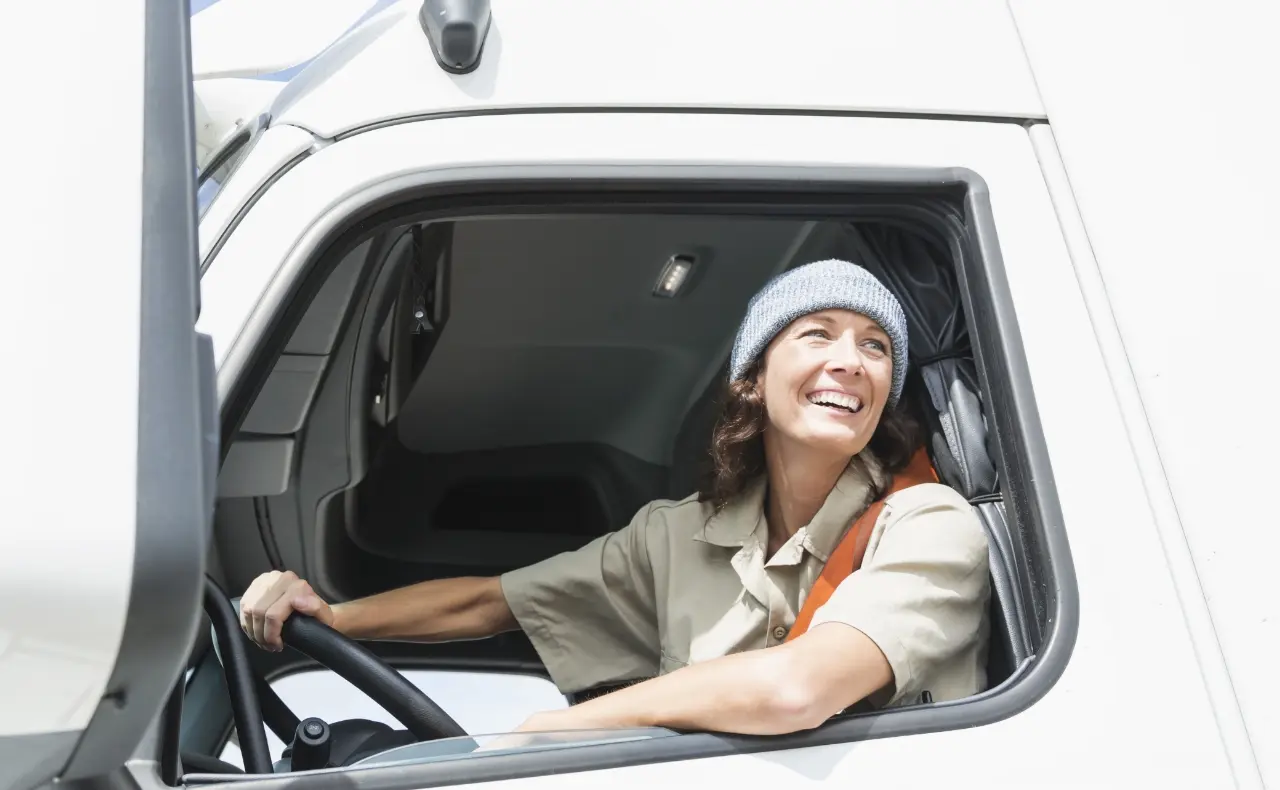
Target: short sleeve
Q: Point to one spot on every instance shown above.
(922, 593)
(591, 613)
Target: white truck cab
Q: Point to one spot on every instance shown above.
(379, 292)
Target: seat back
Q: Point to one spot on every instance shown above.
(923, 278)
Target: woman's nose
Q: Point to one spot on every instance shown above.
(845, 357)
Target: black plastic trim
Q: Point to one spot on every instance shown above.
(640, 109)
(953, 203)
(246, 134)
(238, 148)
(267, 533)
(172, 514)
(171, 768)
(231, 148)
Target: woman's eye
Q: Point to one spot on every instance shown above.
(815, 332)
(877, 345)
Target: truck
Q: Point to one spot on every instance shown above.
(377, 292)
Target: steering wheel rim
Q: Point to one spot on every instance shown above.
(407, 703)
(366, 671)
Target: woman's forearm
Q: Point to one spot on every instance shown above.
(776, 690)
(740, 693)
(443, 609)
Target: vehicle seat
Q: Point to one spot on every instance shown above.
(923, 278)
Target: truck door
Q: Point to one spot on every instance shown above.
(111, 442)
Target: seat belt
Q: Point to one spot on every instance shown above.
(848, 554)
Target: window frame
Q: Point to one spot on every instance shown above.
(763, 191)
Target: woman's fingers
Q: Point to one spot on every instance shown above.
(258, 600)
(251, 603)
(269, 601)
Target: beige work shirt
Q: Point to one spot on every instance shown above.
(682, 584)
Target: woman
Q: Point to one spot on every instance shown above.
(719, 604)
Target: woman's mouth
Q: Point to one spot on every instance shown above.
(839, 402)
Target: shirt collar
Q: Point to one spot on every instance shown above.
(853, 493)
(737, 523)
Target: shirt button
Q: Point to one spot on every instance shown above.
(780, 633)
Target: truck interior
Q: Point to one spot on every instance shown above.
(467, 394)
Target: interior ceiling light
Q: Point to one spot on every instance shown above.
(675, 273)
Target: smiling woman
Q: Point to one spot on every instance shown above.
(829, 373)
(812, 386)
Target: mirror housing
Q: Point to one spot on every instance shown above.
(457, 30)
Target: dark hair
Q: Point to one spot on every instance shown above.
(737, 441)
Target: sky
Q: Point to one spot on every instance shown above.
(374, 7)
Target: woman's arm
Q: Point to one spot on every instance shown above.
(464, 608)
(432, 611)
(790, 687)
(922, 596)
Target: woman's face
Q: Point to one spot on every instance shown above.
(826, 379)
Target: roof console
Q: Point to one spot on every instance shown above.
(456, 30)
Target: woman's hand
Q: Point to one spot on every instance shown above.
(550, 721)
(269, 601)
(525, 734)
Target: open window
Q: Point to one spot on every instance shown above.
(373, 443)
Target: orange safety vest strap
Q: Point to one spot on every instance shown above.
(848, 554)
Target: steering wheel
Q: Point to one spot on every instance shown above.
(422, 717)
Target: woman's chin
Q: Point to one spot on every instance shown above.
(835, 440)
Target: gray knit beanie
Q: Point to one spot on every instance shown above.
(823, 285)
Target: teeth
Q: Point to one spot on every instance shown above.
(840, 400)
